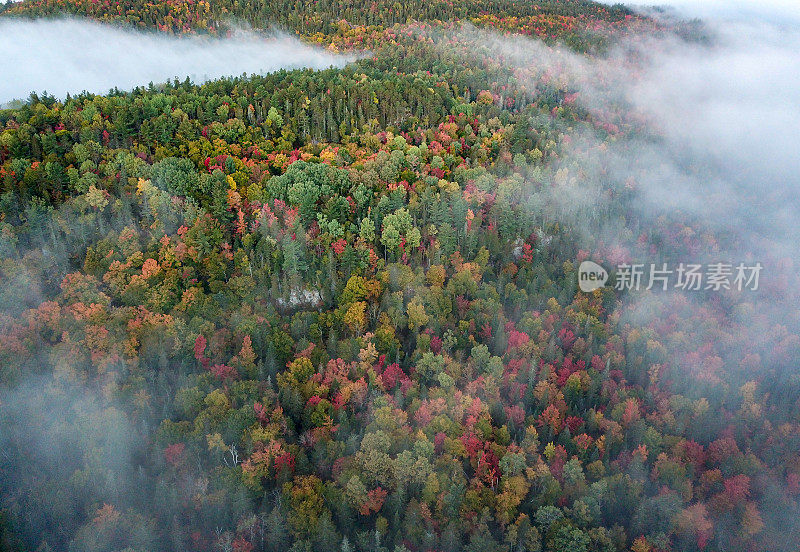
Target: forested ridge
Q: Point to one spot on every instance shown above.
(309, 17)
(339, 309)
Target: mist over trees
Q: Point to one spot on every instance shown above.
(338, 308)
(68, 61)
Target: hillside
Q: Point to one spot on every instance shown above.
(309, 17)
(340, 309)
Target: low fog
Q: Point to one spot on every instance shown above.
(721, 153)
(52, 431)
(775, 11)
(735, 108)
(710, 175)
(724, 114)
(69, 56)
(714, 150)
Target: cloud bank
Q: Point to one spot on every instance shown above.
(775, 11)
(710, 174)
(69, 56)
(734, 106)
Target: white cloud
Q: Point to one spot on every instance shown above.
(718, 152)
(775, 11)
(69, 56)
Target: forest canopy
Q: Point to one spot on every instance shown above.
(339, 309)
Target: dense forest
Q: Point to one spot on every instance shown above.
(325, 17)
(339, 309)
